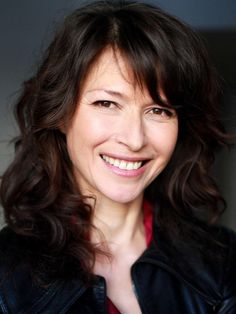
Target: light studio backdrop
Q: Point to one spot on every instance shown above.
(26, 28)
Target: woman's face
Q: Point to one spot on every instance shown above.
(119, 140)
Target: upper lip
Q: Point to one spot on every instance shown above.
(126, 158)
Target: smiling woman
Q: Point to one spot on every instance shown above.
(124, 123)
(110, 205)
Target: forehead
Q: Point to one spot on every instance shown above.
(110, 68)
(111, 71)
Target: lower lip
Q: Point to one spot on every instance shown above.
(125, 173)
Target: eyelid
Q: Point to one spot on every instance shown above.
(101, 103)
(170, 113)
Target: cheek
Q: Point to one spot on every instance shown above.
(85, 134)
(164, 139)
(99, 129)
(172, 140)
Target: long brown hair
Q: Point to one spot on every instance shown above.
(38, 192)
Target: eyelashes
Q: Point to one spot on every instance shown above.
(162, 112)
(105, 104)
(155, 112)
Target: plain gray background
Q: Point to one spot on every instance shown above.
(26, 27)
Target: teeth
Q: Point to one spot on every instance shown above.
(122, 164)
(116, 163)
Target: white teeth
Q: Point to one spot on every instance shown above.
(116, 163)
(122, 164)
(130, 166)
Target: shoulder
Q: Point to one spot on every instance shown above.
(214, 269)
(220, 274)
(192, 278)
(19, 291)
(15, 272)
(211, 272)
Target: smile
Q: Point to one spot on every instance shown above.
(123, 164)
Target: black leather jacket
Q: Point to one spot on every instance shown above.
(164, 282)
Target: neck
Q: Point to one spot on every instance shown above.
(120, 224)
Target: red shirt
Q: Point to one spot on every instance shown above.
(147, 221)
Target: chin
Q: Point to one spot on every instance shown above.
(122, 198)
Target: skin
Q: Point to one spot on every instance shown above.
(116, 118)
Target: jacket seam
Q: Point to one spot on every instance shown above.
(72, 300)
(39, 303)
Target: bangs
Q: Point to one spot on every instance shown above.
(144, 61)
(163, 53)
(148, 51)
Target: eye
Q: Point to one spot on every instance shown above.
(162, 112)
(105, 104)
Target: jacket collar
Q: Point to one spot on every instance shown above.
(204, 275)
(197, 273)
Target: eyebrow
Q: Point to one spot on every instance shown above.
(107, 91)
(164, 103)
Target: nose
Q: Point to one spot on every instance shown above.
(131, 132)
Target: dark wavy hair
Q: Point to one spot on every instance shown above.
(38, 192)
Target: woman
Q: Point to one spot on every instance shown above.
(109, 202)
